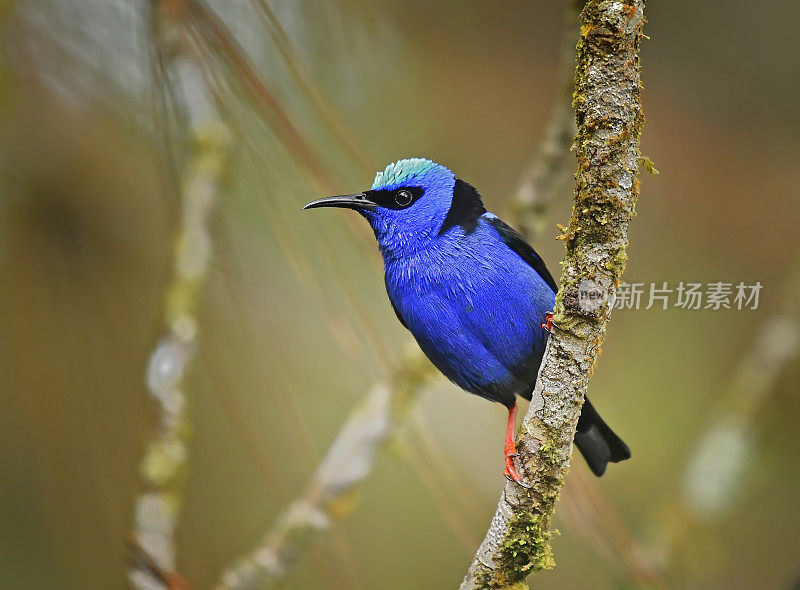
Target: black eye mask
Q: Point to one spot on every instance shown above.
(399, 198)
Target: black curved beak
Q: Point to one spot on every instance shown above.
(359, 201)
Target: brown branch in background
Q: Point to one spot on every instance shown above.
(202, 175)
(140, 561)
(607, 103)
(716, 475)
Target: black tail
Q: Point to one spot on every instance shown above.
(597, 442)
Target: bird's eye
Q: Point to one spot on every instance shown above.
(403, 197)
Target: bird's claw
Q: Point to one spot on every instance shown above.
(548, 321)
(511, 473)
(517, 481)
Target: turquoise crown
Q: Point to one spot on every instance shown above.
(403, 172)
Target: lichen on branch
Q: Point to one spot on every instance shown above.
(608, 111)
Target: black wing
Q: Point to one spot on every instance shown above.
(518, 244)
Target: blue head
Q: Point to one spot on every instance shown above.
(411, 204)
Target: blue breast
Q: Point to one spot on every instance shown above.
(476, 308)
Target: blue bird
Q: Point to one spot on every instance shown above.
(475, 296)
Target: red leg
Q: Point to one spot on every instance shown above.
(510, 449)
(548, 321)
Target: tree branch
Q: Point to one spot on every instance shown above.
(202, 176)
(609, 115)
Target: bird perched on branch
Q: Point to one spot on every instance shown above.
(473, 293)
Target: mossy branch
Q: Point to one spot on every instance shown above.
(607, 102)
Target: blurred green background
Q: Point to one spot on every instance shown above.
(294, 325)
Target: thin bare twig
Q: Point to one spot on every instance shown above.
(608, 110)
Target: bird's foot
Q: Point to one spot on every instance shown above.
(548, 321)
(510, 450)
(511, 472)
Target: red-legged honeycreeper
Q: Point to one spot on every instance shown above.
(473, 293)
